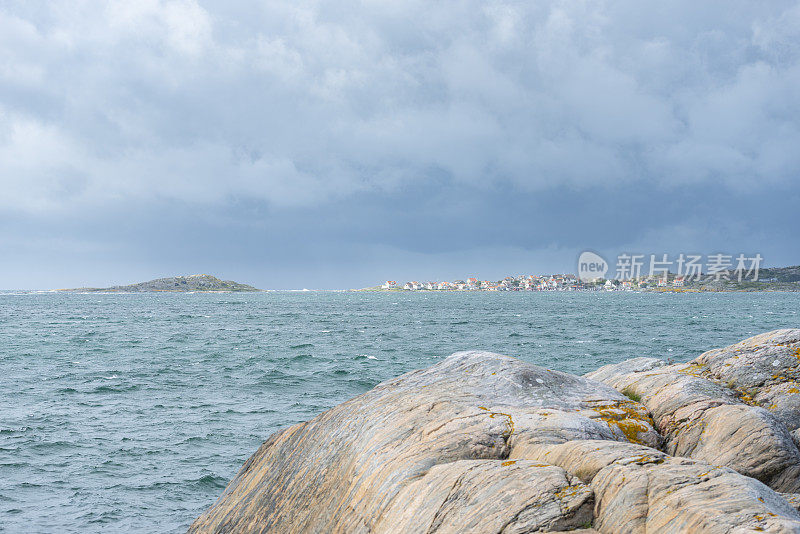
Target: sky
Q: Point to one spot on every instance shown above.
(324, 145)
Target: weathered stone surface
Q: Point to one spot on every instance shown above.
(585, 458)
(477, 496)
(764, 370)
(487, 443)
(700, 417)
(793, 499)
(634, 365)
(682, 495)
(348, 468)
(639, 489)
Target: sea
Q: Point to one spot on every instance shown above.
(131, 412)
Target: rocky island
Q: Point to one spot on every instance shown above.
(482, 442)
(194, 282)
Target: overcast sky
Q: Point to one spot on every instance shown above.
(294, 144)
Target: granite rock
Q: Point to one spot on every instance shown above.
(702, 418)
(487, 443)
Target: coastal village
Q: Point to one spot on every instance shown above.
(555, 282)
(768, 279)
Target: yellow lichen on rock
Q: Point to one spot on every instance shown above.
(629, 417)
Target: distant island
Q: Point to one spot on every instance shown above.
(174, 284)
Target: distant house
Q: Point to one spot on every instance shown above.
(390, 284)
(627, 284)
(430, 285)
(678, 282)
(409, 286)
(662, 282)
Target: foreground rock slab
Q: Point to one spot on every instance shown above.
(487, 443)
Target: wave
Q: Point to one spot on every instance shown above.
(205, 482)
(12, 430)
(115, 388)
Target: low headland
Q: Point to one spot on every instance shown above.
(482, 442)
(174, 284)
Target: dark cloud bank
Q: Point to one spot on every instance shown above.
(334, 145)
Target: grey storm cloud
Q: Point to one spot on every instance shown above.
(302, 103)
(326, 140)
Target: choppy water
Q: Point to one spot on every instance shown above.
(131, 412)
